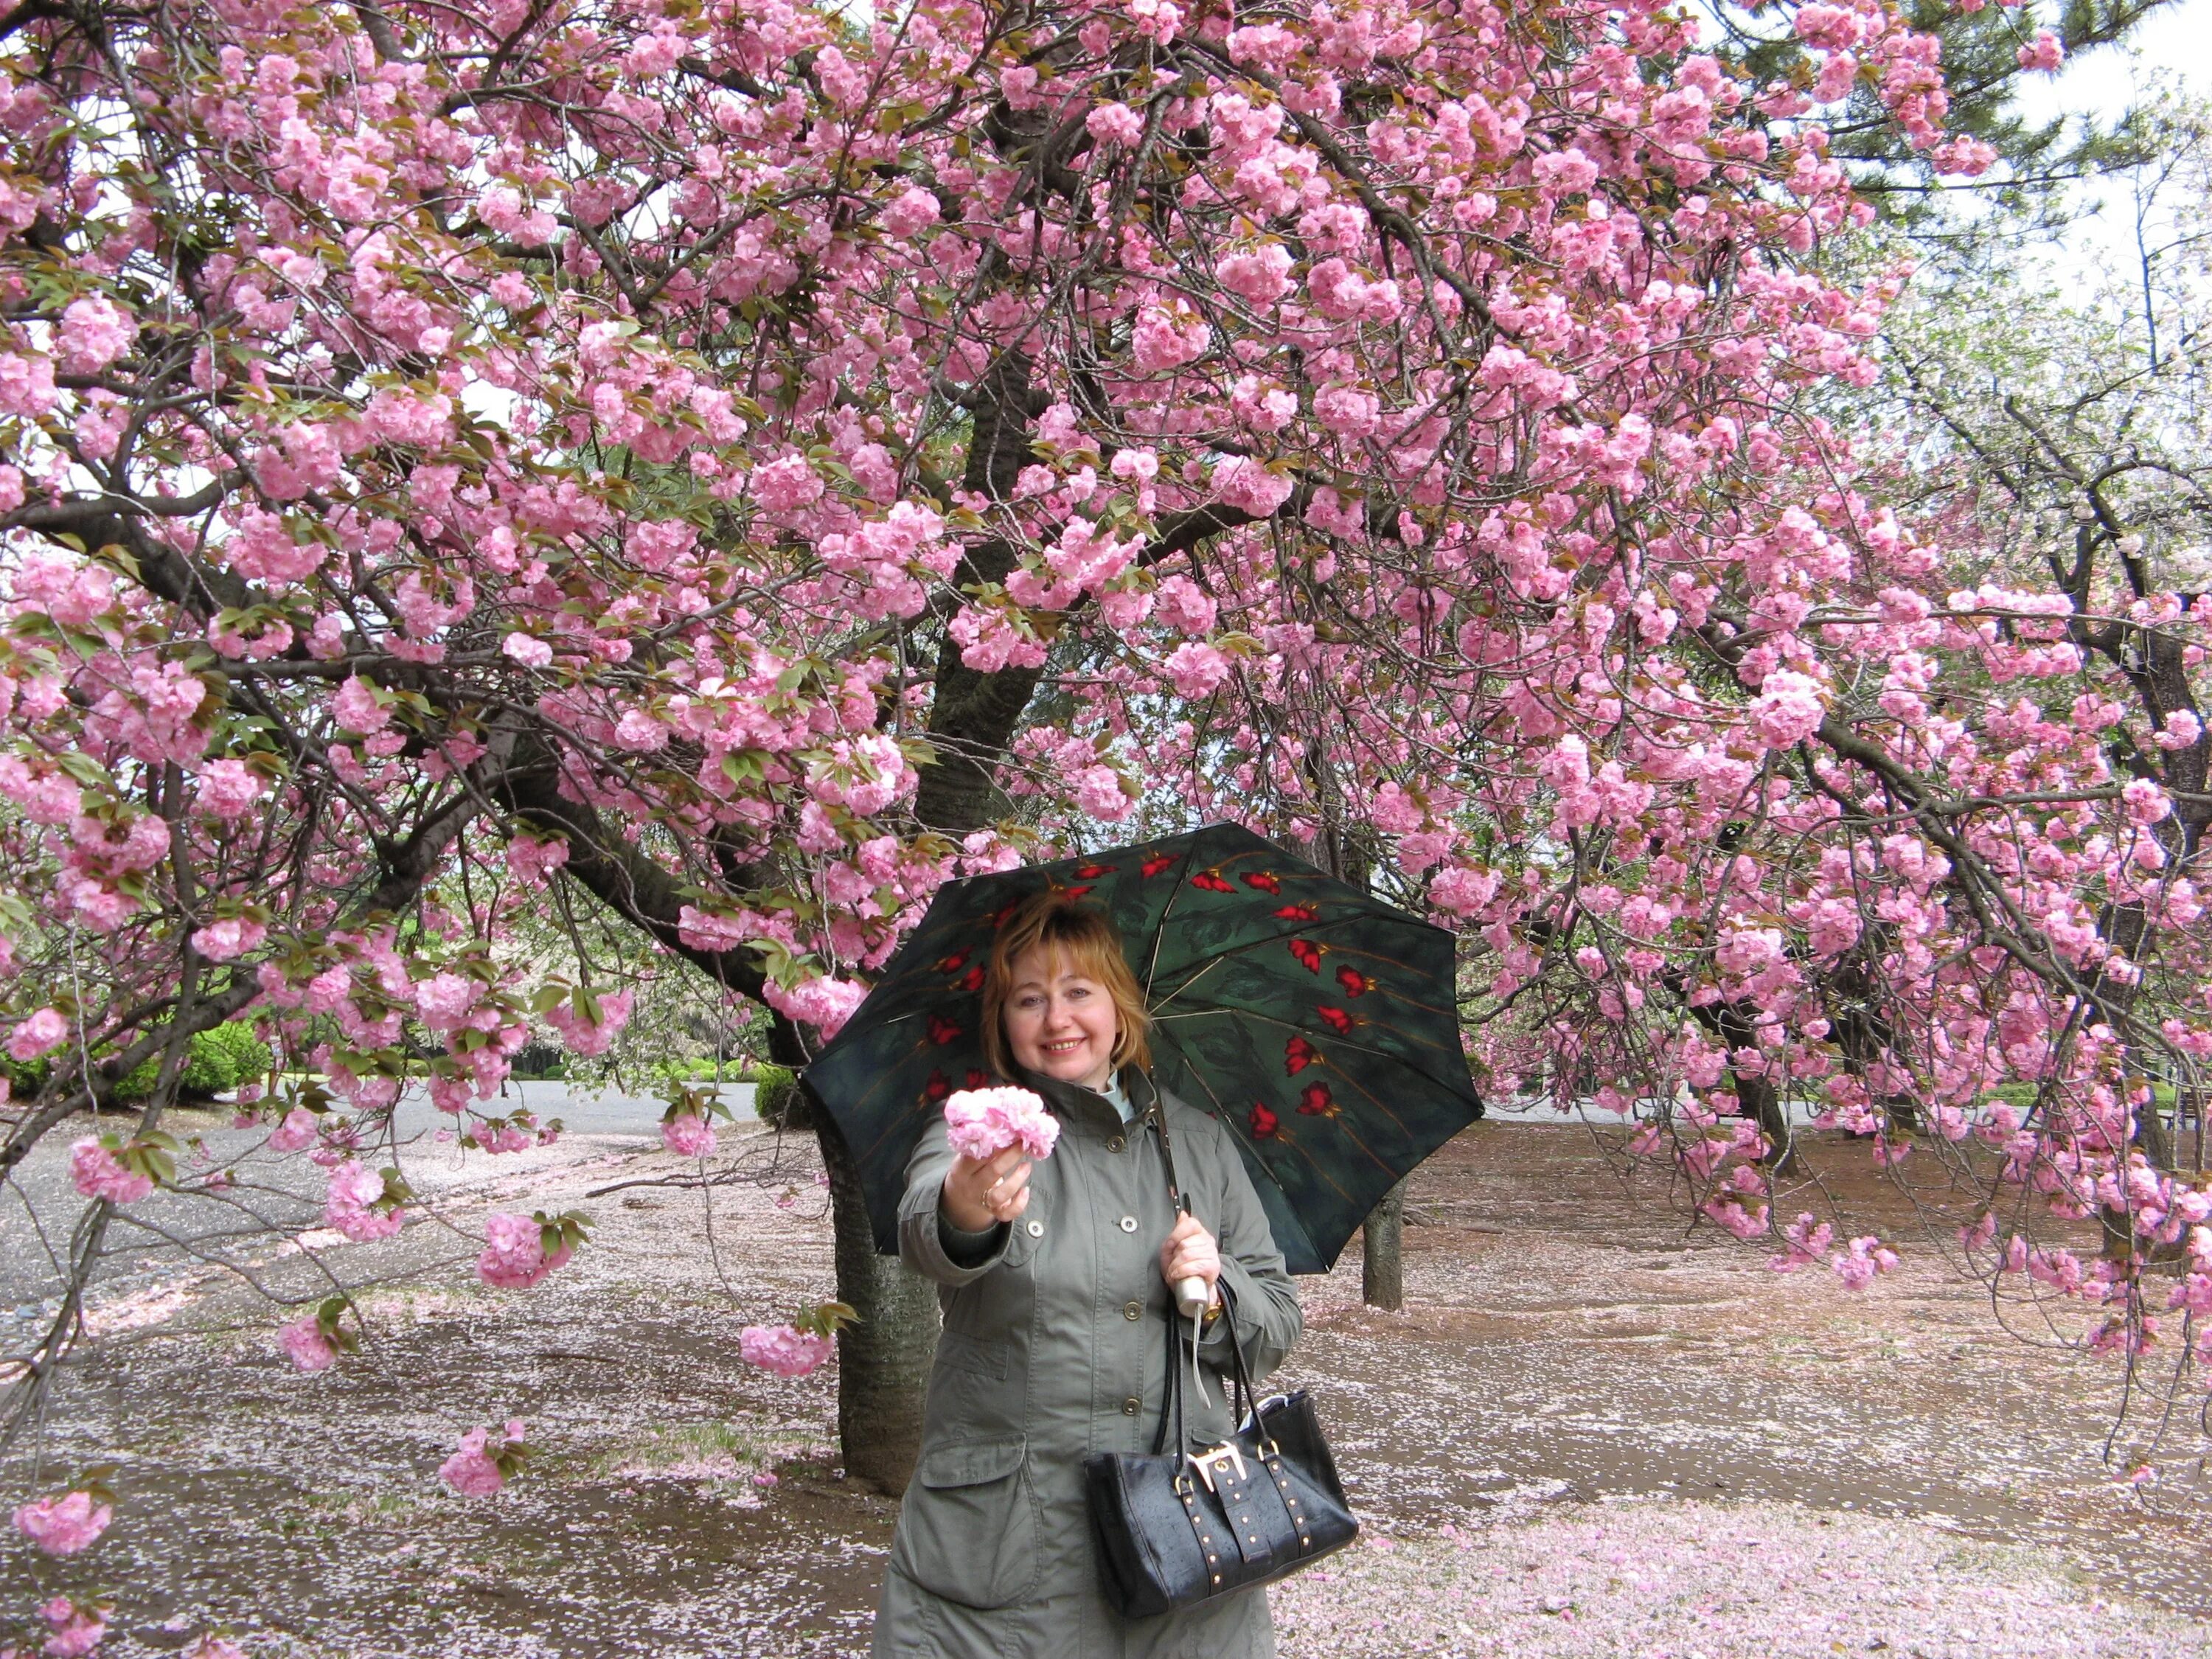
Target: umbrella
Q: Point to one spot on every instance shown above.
(1316, 1021)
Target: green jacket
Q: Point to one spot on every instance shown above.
(1055, 1347)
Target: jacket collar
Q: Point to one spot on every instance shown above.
(1087, 1106)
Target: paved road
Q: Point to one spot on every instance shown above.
(1543, 1109)
(170, 1232)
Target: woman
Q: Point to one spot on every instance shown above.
(1054, 1282)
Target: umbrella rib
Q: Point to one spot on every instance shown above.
(1160, 927)
(1187, 984)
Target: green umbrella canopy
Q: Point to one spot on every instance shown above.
(1316, 1022)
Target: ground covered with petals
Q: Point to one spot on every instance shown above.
(1579, 1439)
(1676, 1580)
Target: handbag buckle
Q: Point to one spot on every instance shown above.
(1222, 1458)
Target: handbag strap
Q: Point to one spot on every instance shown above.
(1246, 1398)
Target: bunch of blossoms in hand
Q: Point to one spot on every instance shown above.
(483, 1464)
(980, 1123)
(65, 1524)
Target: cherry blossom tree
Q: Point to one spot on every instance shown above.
(750, 464)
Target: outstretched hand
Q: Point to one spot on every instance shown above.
(979, 1193)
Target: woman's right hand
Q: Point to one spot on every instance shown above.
(978, 1195)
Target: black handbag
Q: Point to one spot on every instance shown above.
(1178, 1526)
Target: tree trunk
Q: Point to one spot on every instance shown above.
(1762, 1104)
(883, 1358)
(1382, 1267)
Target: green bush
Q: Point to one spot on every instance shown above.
(216, 1062)
(706, 1069)
(540, 1062)
(26, 1076)
(778, 1098)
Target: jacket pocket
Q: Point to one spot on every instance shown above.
(969, 1529)
(959, 1351)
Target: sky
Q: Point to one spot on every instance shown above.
(2175, 40)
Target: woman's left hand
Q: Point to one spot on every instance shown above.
(1191, 1252)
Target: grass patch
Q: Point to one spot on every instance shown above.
(710, 1451)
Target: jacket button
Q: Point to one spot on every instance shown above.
(1134, 1310)
(1132, 1406)
(1036, 1230)
(1114, 1144)
(1128, 1224)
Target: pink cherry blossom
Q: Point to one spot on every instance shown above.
(77, 1628)
(980, 1123)
(306, 1345)
(65, 1524)
(824, 1003)
(526, 649)
(98, 1173)
(472, 1471)
(688, 1135)
(515, 1255)
(1858, 1263)
(43, 1032)
(357, 708)
(1114, 124)
(298, 1130)
(1787, 709)
(94, 332)
(1196, 668)
(229, 938)
(783, 1349)
(2045, 52)
(228, 788)
(787, 484)
(911, 211)
(1244, 482)
(587, 1035)
(1261, 276)
(1168, 337)
(354, 1191)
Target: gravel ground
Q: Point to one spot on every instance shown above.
(1587, 1435)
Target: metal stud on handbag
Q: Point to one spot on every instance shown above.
(1178, 1526)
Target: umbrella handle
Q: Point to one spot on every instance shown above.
(1191, 1294)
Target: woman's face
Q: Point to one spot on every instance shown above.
(1058, 1022)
